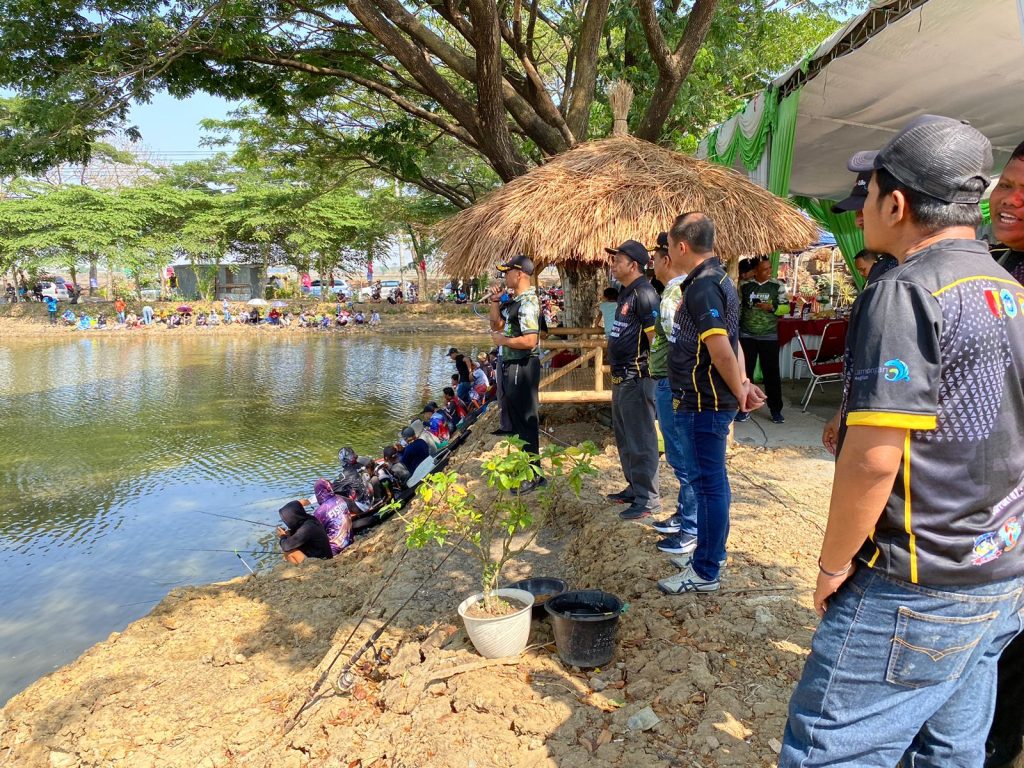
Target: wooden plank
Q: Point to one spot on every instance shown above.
(572, 366)
(599, 369)
(575, 344)
(594, 331)
(577, 396)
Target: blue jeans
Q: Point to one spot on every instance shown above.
(901, 669)
(703, 437)
(463, 390)
(686, 501)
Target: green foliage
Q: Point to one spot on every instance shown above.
(452, 516)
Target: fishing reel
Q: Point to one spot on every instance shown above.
(346, 680)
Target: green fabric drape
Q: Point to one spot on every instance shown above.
(750, 148)
(849, 236)
(780, 164)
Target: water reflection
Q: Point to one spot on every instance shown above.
(113, 445)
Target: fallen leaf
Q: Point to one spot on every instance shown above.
(604, 737)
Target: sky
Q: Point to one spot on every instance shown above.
(170, 128)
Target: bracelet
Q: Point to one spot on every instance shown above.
(843, 572)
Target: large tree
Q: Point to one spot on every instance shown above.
(513, 82)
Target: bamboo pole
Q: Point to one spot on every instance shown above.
(560, 372)
(576, 396)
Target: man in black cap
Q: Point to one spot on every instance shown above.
(633, 407)
(464, 373)
(920, 574)
(518, 333)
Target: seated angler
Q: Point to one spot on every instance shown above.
(415, 449)
(437, 423)
(453, 406)
(353, 483)
(323, 534)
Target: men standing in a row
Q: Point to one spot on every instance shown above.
(920, 572)
(1006, 206)
(519, 335)
(633, 408)
(763, 300)
(708, 387)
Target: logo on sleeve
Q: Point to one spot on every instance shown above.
(896, 370)
(1002, 303)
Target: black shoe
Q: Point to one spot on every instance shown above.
(621, 497)
(778, 418)
(634, 512)
(529, 486)
(502, 433)
(742, 416)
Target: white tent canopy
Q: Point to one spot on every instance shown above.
(897, 60)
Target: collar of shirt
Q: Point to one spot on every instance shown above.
(675, 281)
(708, 264)
(527, 292)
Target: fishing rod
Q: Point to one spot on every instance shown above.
(241, 519)
(232, 551)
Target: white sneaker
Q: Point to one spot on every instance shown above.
(685, 582)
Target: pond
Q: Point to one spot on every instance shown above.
(114, 448)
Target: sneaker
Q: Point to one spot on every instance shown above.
(742, 416)
(633, 512)
(686, 561)
(687, 581)
(680, 544)
(621, 497)
(670, 526)
(778, 418)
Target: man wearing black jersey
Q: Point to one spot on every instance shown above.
(633, 409)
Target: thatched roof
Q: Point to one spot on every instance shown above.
(604, 192)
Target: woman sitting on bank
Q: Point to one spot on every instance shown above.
(323, 534)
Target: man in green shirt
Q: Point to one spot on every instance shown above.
(763, 300)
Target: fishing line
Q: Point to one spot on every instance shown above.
(241, 519)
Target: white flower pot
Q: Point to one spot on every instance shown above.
(496, 637)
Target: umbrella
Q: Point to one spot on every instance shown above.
(604, 192)
(279, 304)
(257, 302)
(184, 308)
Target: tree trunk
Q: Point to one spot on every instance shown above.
(74, 275)
(583, 284)
(110, 280)
(94, 275)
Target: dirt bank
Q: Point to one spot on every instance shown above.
(30, 319)
(214, 674)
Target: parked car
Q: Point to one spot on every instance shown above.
(339, 287)
(57, 290)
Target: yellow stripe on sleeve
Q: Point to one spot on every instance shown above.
(714, 332)
(906, 509)
(888, 419)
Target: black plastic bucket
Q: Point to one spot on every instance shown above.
(584, 622)
(543, 588)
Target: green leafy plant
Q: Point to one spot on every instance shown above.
(486, 527)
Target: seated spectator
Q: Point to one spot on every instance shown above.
(353, 483)
(274, 318)
(213, 318)
(201, 320)
(68, 318)
(131, 320)
(332, 514)
(375, 317)
(325, 322)
(437, 422)
(414, 449)
(101, 321)
(453, 405)
(84, 322)
(359, 318)
(254, 316)
(399, 471)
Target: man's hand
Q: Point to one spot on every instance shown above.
(827, 586)
(767, 306)
(496, 291)
(754, 398)
(281, 532)
(830, 434)
(498, 339)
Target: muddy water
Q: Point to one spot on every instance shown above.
(111, 449)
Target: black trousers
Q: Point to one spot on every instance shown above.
(1007, 733)
(768, 353)
(520, 382)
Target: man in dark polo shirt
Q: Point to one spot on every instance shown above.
(1006, 206)
(517, 331)
(708, 387)
(633, 408)
(920, 573)
(464, 373)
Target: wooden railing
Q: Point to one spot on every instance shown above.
(584, 376)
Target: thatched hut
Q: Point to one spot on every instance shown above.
(604, 192)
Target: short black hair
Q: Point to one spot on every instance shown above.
(930, 212)
(1018, 153)
(611, 294)
(695, 229)
(449, 391)
(865, 255)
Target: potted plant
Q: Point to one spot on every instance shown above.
(486, 527)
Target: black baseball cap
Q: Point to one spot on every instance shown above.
(633, 250)
(855, 200)
(521, 262)
(935, 155)
(431, 406)
(453, 351)
(661, 244)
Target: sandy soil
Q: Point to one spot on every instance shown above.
(215, 675)
(31, 320)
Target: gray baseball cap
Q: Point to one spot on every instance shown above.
(935, 155)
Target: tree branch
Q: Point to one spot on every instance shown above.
(582, 92)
